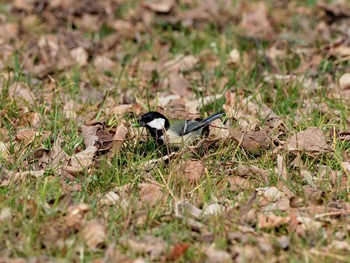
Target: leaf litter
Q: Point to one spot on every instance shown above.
(269, 181)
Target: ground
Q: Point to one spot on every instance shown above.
(269, 183)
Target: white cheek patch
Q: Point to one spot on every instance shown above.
(157, 124)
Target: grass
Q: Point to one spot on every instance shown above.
(36, 226)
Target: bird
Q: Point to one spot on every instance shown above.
(175, 133)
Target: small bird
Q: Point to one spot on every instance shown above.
(174, 132)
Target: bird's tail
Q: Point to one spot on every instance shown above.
(213, 118)
(199, 124)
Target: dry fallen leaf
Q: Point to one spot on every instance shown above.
(160, 6)
(215, 255)
(4, 152)
(119, 137)
(80, 56)
(344, 81)
(184, 209)
(9, 176)
(75, 215)
(110, 198)
(20, 90)
(150, 193)
(255, 20)
(253, 142)
(80, 161)
(311, 140)
(89, 134)
(178, 85)
(177, 251)
(237, 183)
(270, 220)
(69, 110)
(155, 246)
(180, 63)
(189, 171)
(93, 234)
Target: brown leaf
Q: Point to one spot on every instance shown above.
(104, 63)
(9, 176)
(69, 110)
(344, 81)
(179, 85)
(190, 170)
(119, 138)
(160, 6)
(89, 134)
(184, 209)
(270, 220)
(94, 234)
(4, 152)
(269, 194)
(8, 31)
(255, 21)
(311, 140)
(336, 9)
(26, 135)
(81, 160)
(215, 255)
(80, 56)
(237, 183)
(177, 251)
(75, 215)
(150, 193)
(20, 90)
(253, 141)
(155, 246)
(180, 63)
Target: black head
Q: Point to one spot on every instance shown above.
(155, 122)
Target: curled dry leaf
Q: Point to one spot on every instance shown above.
(94, 234)
(150, 193)
(75, 215)
(190, 170)
(119, 137)
(185, 209)
(311, 140)
(213, 209)
(80, 161)
(89, 134)
(269, 194)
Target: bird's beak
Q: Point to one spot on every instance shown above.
(137, 125)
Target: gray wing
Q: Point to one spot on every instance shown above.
(196, 125)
